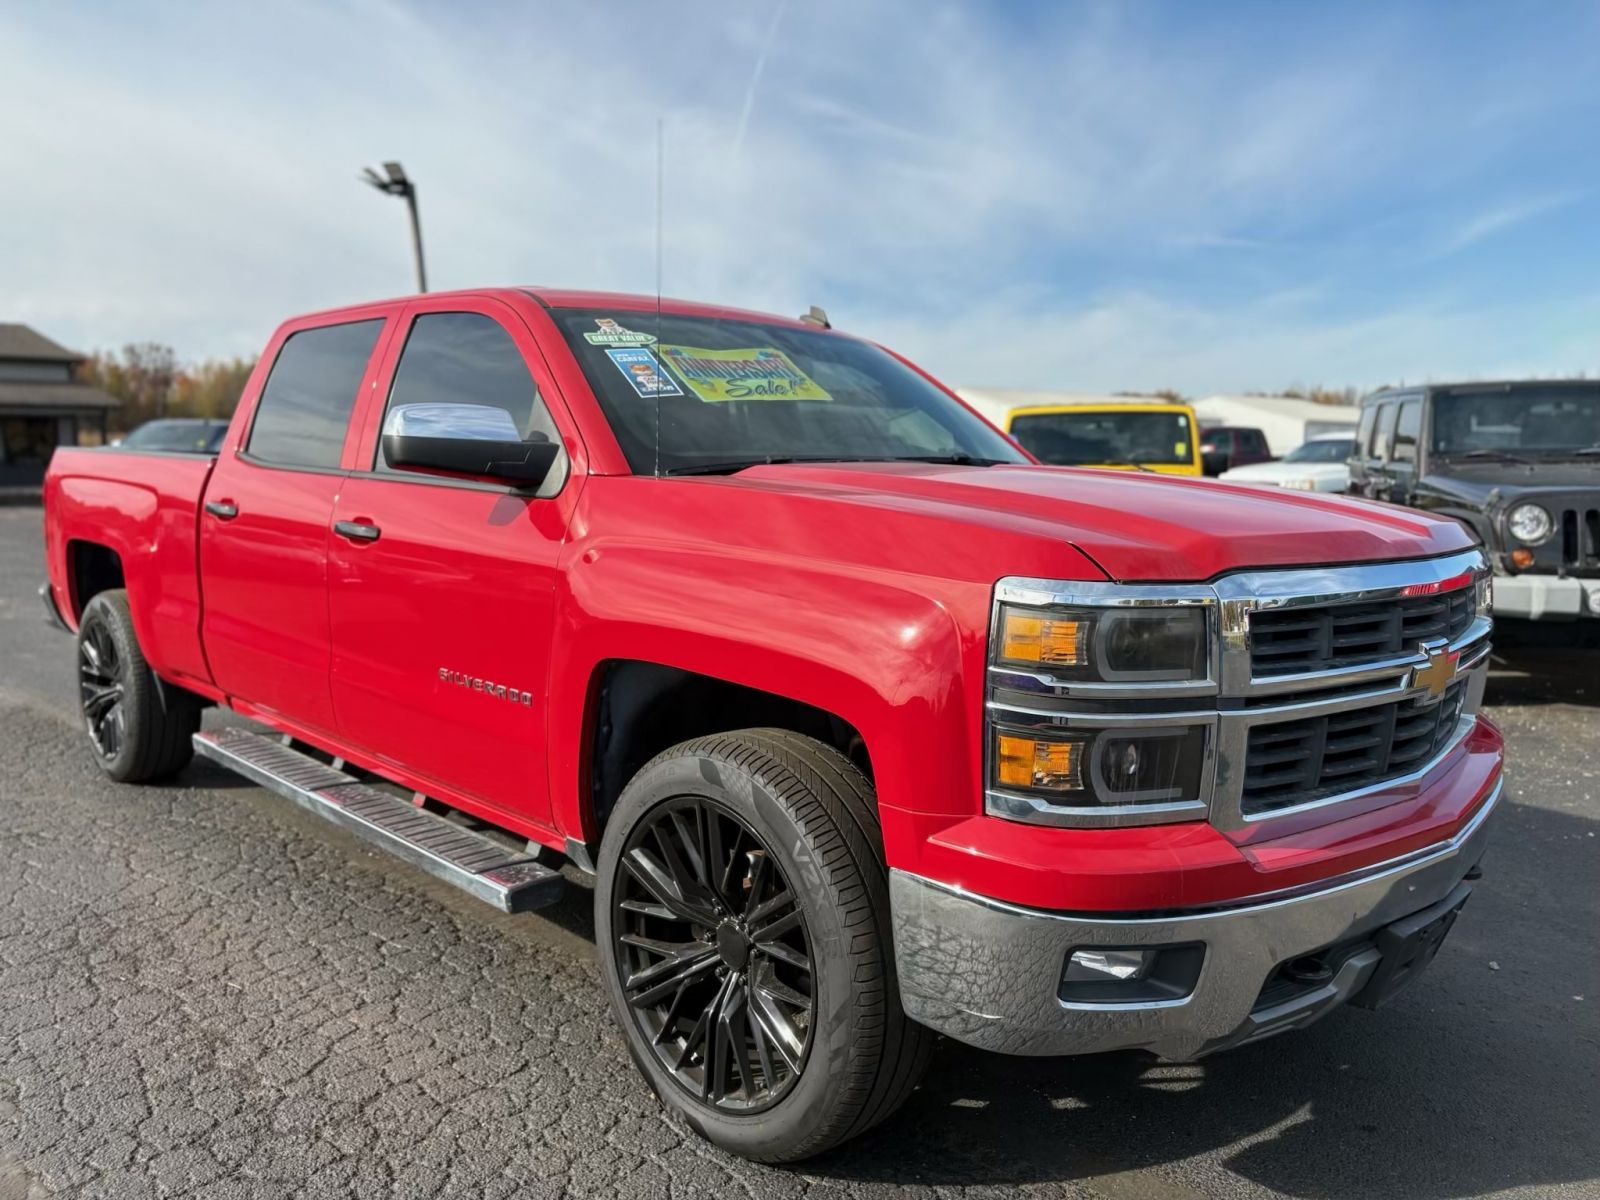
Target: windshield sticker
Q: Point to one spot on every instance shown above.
(756, 374)
(612, 334)
(640, 369)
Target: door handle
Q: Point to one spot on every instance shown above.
(223, 510)
(358, 531)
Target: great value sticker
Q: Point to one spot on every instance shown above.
(759, 373)
(640, 368)
(611, 333)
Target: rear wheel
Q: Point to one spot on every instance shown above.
(133, 735)
(742, 918)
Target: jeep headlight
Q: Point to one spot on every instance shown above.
(1107, 645)
(1530, 523)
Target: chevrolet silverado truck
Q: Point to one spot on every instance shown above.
(863, 725)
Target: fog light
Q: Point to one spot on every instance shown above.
(1102, 966)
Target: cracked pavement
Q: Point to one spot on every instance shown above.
(205, 992)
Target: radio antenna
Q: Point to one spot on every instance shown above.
(660, 363)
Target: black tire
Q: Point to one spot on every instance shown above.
(812, 816)
(132, 734)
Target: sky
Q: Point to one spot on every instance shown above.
(1083, 196)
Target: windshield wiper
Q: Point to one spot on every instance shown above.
(1497, 455)
(955, 460)
(733, 466)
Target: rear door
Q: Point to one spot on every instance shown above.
(442, 590)
(264, 526)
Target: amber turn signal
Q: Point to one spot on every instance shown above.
(1036, 638)
(1522, 558)
(1024, 762)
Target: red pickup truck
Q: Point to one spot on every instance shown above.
(863, 725)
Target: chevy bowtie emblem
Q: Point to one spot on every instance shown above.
(1435, 675)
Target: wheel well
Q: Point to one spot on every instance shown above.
(645, 707)
(91, 569)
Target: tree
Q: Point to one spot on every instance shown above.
(146, 379)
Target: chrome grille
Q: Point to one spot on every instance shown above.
(1288, 763)
(1337, 713)
(1287, 641)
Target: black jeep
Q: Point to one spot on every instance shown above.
(1517, 462)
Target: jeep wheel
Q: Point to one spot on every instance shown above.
(742, 918)
(133, 735)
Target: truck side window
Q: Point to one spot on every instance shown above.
(1369, 420)
(1383, 436)
(1407, 431)
(468, 358)
(304, 410)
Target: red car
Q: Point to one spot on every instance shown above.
(863, 725)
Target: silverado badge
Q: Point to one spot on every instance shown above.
(1436, 674)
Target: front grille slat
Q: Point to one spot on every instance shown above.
(1295, 762)
(1289, 641)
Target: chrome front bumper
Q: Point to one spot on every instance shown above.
(989, 973)
(1546, 597)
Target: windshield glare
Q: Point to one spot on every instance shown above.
(1524, 419)
(1087, 437)
(736, 392)
(1323, 450)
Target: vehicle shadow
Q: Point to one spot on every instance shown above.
(1535, 664)
(1474, 1079)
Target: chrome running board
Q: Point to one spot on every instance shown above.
(508, 879)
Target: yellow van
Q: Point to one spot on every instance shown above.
(1076, 430)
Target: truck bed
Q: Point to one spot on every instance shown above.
(143, 507)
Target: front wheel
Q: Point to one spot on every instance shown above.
(134, 735)
(742, 917)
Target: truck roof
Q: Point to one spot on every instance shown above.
(553, 297)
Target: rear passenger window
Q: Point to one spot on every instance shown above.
(1407, 431)
(304, 410)
(1383, 440)
(468, 358)
(1369, 420)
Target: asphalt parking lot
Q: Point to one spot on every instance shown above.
(206, 992)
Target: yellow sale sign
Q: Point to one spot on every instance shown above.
(756, 374)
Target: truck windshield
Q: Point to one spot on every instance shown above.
(1549, 421)
(707, 394)
(1087, 437)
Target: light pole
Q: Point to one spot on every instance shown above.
(393, 181)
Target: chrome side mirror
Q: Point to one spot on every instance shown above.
(465, 439)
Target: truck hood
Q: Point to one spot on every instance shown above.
(1135, 526)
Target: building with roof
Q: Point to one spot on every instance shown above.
(41, 405)
(1288, 421)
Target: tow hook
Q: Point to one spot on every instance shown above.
(1307, 969)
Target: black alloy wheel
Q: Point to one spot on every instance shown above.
(139, 728)
(714, 956)
(102, 687)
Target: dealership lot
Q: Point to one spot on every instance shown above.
(206, 992)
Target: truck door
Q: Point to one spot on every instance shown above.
(264, 527)
(442, 590)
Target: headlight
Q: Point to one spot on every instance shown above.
(1530, 523)
(1107, 645)
(1096, 768)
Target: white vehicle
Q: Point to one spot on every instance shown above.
(1321, 465)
